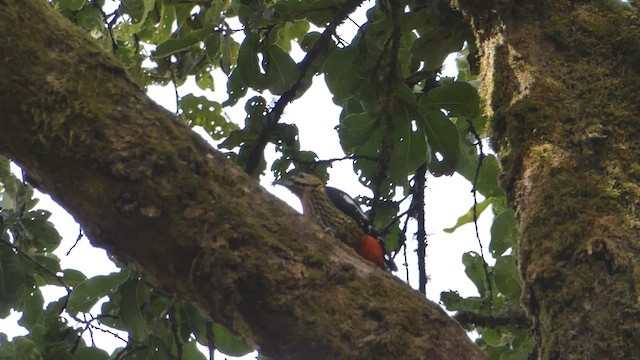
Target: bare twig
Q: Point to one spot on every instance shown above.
(474, 190)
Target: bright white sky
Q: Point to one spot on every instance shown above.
(316, 116)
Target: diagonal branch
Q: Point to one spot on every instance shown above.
(298, 88)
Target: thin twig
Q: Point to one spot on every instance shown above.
(474, 190)
(80, 235)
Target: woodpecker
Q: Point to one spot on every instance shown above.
(340, 216)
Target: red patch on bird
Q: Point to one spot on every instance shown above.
(370, 249)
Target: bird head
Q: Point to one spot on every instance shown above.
(298, 182)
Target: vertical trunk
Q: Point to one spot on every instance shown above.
(561, 81)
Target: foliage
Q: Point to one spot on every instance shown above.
(398, 114)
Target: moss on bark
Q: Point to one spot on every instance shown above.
(562, 84)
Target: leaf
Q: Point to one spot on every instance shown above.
(341, 72)
(164, 29)
(195, 321)
(229, 50)
(435, 43)
(134, 296)
(88, 292)
(475, 270)
(504, 233)
(90, 353)
(442, 137)
(492, 337)
(248, 68)
(32, 309)
(206, 113)
(190, 352)
(459, 98)
(409, 146)
(72, 277)
(454, 302)
(230, 344)
(355, 129)
(468, 216)
(40, 231)
(507, 277)
(171, 46)
(12, 280)
(282, 71)
(236, 89)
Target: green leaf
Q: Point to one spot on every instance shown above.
(468, 216)
(195, 321)
(164, 29)
(25, 348)
(504, 233)
(172, 46)
(442, 137)
(507, 277)
(90, 18)
(493, 337)
(190, 351)
(134, 296)
(355, 129)
(12, 280)
(475, 270)
(454, 302)
(459, 98)
(90, 353)
(229, 50)
(32, 309)
(230, 344)
(436, 43)
(341, 71)
(40, 231)
(282, 71)
(490, 170)
(206, 113)
(88, 292)
(72, 277)
(248, 68)
(409, 146)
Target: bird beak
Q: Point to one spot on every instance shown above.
(283, 182)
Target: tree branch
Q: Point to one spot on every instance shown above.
(274, 115)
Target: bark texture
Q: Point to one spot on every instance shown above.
(151, 192)
(561, 80)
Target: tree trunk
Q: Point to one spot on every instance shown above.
(561, 81)
(151, 192)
